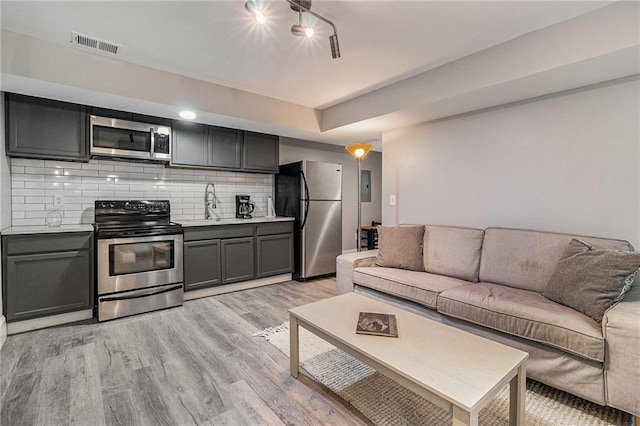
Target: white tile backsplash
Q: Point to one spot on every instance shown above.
(35, 182)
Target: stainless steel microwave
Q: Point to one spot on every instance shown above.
(111, 137)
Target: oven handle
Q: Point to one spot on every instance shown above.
(141, 294)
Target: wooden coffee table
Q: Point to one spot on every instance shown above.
(455, 370)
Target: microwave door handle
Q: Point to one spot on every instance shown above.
(153, 142)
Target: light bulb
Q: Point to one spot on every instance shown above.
(187, 115)
(308, 31)
(359, 152)
(260, 17)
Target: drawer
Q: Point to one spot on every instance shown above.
(197, 233)
(275, 228)
(42, 243)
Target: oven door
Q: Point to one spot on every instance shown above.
(139, 262)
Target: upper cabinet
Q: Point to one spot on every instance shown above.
(260, 152)
(42, 128)
(198, 145)
(225, 148)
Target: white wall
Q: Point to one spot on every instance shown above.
(566, 162)
(5, 203)
(292, 150)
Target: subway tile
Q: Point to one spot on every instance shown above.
(137, 175)
(81, 186)
(125, 168)
(112, 174)
(27, 222)
(95, 166)
(62, 164)
(36, 214)
(83, 172)
(71, 193)
(27, 207)
(17, 199)
(28, 178)
(32, 192)
(36, 200)
(43, 171)
(16, 184)
(18, 215)
(17, 169)
(44, 185)
(27, 162)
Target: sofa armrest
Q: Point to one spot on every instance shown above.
(346, 263)
(621, 330)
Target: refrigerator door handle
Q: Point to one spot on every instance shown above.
(305, 199)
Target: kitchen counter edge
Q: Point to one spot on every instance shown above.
(192, 223)
(42, 229)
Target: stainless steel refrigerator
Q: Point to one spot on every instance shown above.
(311, 192)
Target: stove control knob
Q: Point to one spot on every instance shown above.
(127, 205)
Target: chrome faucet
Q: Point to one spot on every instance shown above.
(210, 201)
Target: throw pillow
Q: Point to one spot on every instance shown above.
(590, 279)
(400, 247)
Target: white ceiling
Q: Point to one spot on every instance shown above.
(382, 42)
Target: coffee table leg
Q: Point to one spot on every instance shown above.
(294, 346)
(463, 417)
(517, 397)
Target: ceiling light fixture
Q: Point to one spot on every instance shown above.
(253, 8)
(298, 30)
(187, 115)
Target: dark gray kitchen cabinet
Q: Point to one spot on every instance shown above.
(260, 152)
(274, 254)
(43, 128)
(274, 248)
(47, 274)
(237, 260)
(225, 148)
(202, 266)
(190, 146)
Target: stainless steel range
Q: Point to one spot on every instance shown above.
(139, 258)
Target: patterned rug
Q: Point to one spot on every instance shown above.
(384, 402)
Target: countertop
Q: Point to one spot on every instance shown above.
(190, 223)
(18, 230)
(21, 230)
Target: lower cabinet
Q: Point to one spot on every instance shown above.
(275, 254)
(237, 260)
(47, 274)
(224, 254)
(202, 264)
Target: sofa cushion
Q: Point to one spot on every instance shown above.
(525, 314)
(590, 280)
(419, 287)
(526, 259)
(454, 252)
(400, 247)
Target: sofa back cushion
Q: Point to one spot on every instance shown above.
(400, 247)
(454, 252)
(526, 259)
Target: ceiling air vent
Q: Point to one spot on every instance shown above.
(94, 43)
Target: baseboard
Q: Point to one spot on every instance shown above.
(3, 330)
(228, 288)
(44, 322)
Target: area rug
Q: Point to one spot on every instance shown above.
(384, 402)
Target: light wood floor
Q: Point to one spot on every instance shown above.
(197, 364)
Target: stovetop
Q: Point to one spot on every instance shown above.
(133, 218)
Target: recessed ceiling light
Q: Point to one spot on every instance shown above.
(187, 115)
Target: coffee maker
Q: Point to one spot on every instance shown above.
(244, 206)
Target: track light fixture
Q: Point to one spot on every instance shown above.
(305, 6)
(300, 6)
(254, 9)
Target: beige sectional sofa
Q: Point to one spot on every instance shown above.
(490, 282)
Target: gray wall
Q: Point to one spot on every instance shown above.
(295, 150)
(566, 163)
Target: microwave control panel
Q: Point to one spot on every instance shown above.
(161, 144)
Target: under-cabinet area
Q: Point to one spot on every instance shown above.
(224, 254)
